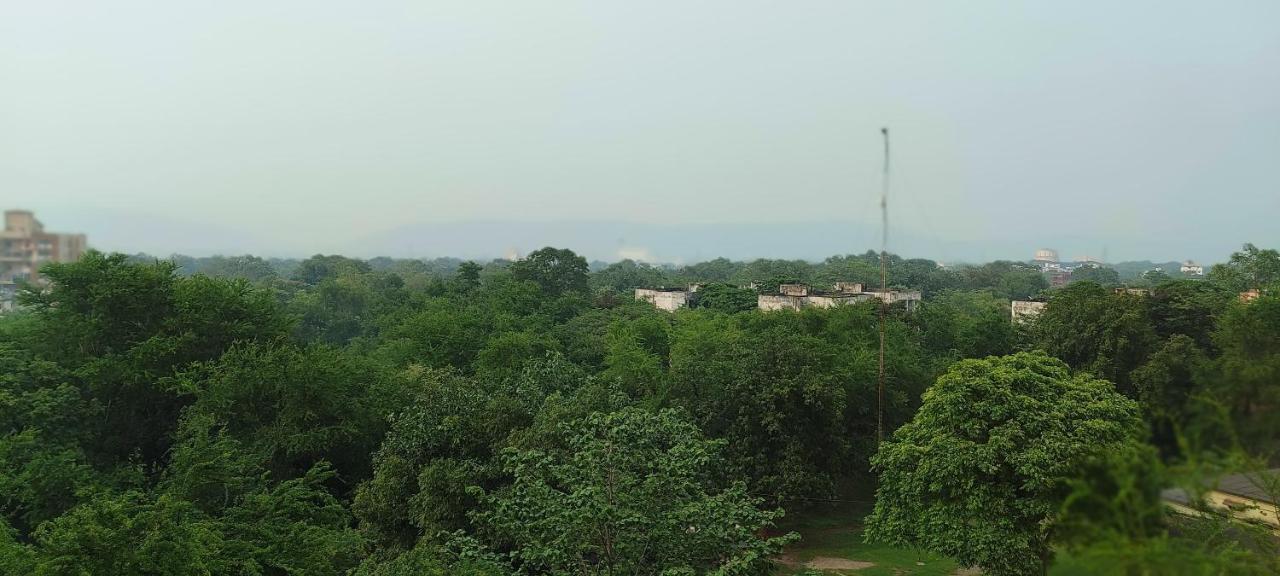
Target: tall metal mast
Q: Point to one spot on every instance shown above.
(884, 282)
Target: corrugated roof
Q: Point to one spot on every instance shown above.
(1251, 485)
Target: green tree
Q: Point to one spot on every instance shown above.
(1092, 328)
(556, 270)
(123, 331)
(1251, 267)
(1248, 335)
(298, 406)
(468, 277)
(981, 471)
(320, 267)
(1166, 385)
(1097, 274)
(1187, 307)
(725, 298)
(1013, 280)
(628, 274)
(439, 444)
(629, 492)
(965, 325)
(291, 527)
(717, 270)
(250, 268)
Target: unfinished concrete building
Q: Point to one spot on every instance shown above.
(664, 299)
(798, 296)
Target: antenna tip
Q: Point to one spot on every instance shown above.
(884, 130)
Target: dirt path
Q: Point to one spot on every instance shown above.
(828, 563)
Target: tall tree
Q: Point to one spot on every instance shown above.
(981, 471)
(1249, 337)
(1092, 328)
(556, 270)
(1251, 267)
(629, 492)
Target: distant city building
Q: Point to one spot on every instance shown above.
(798, 296)
(664, 299)
(25, 247)
(1133, 291)
(1250, 295)
(1023, 310)
(1059, 277)
(1046, 255)
(1190, 268)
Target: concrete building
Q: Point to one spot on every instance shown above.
(663, 299)
(1250, 295)
(25, 247)
(1132, 291)
(1249, 497)
(910, 298)
(1023, 310)
(1190, 268)
(798, 296)
(1045, 256)
(793, 289)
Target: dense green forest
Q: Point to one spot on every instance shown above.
(406, 417)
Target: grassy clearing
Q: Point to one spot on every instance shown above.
(836, 532)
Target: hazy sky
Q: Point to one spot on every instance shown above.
(1145, 129)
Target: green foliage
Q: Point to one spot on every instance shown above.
(1091, 328)
(981, 471)
(291, 527)
(434, 560)
(320, 267)
(389, 416)
(122, 331)
(438, 445)
(725, 298)
(297, 406)
(1097, 274)
(1249, 337)
(627, 492)
(556, 270)
(626, 275)
(966, 325)
(1251, 267)
(1013, 280)
(468, 277)
(1166, 385)
(1187, 307)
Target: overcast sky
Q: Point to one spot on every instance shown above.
(1139, 129)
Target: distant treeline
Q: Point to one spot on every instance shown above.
(1007, 279)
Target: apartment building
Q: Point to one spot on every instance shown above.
(25, 246)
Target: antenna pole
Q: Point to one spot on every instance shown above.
(884, 282)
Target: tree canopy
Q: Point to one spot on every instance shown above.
(981, 471)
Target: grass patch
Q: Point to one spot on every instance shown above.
(836, 532)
